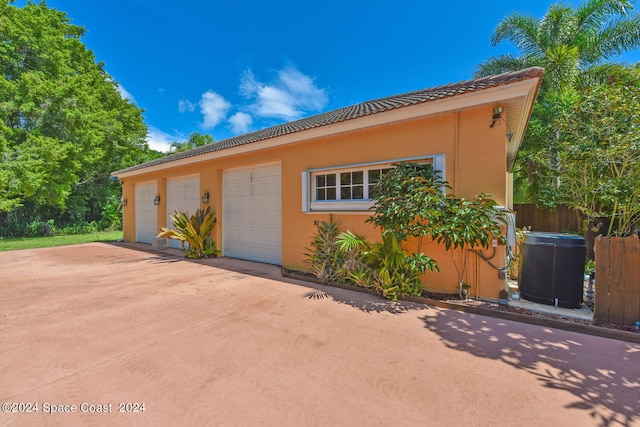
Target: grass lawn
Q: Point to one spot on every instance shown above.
(46, 242)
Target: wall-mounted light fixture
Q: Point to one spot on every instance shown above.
(205, 197)
(497, 112)
(156, 201)
(124, 202)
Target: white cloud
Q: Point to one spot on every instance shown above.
(289, 97)
(159, 140)
(124, 94)
(185, 105)
(214, 108)
(240, 122)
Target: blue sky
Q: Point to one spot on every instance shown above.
(231, 67)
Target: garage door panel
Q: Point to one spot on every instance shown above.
(146, 212)
(183, 194)
(252, 214)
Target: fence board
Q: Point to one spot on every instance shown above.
(601, 309)
(561, 219)
(632, 281)
(616, 280)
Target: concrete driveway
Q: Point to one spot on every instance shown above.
(87, 331)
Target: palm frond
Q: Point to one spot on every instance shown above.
(502, 64)
(618, 37)
(520, 29)
(594, 14)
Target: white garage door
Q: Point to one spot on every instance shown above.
(252, 213)
(146, 212)
(183, 194)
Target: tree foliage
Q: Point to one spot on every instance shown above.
(575, 46)
(572, 45)
(410, 202)
(63, 124)
(599, 153)
(195, 140)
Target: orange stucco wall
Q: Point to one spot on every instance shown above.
(475, 162)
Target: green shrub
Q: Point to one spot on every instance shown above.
(384, 268)
(409, 203)
(324, 256)
(194, 232)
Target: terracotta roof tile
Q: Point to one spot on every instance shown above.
(352, 112)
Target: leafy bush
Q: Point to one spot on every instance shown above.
(325, 257)
(409, 202)
(194, 232)
(385, 267)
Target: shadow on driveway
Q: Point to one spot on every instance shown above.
(577, 365)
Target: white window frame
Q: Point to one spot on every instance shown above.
(310, 204)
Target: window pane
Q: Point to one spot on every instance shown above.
(320, 194)
(331, 193)
(345, 193)
(321, 180)
(345, 178)
(372, 193)
(374, 175)
(331, 180)
(358, 192)
(357, 177)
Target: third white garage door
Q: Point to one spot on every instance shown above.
(252, 213)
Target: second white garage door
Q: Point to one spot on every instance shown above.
(252, 213)
(183, 194)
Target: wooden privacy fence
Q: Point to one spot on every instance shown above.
(561, 219)
(617, 280)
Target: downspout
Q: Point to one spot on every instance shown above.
(477, 268)
(456, 152)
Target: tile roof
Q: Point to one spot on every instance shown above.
(352, 112)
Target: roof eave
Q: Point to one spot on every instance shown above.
(523, 90)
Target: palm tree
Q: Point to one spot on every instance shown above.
(573, 45)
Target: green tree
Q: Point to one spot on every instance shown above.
(572, 45)
(63, 124)
(410, 202)
(195, 140)
(599, 153)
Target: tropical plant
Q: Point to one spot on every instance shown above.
(324, 256)
(411, 202)
(385, 267)
(575, 46)
(194, 232)
(572, 45)
(468, 224)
